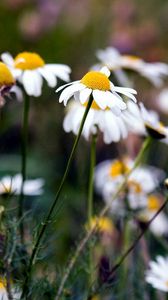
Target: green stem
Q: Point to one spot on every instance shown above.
(47, 219)
(90, 199)
(129, 250)
(90, 233)
(23, 163)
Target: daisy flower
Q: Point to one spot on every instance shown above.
(154, 72)
(134, 120)
(142, 181)
(6, 79)
(30, 69)
(112, 126)
(12, 185)
(153, 126)
(159, 225)
(103, 91)
(157, 274)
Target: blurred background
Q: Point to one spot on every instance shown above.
(69, 32)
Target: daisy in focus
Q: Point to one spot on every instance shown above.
(12, 185)
(154, 72)
(30, 69)
(111, 126)
(103, 91)
(157, 274)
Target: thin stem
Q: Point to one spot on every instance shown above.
(90, 199)
(129, 250)
(47, 219)
(89, 234)
(23, 163)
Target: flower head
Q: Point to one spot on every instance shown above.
(103, 91)
(153, 126)
(157, 274)
(111, 126)
(30, 69)
(142, 181)
(154, 72)
(12, 185)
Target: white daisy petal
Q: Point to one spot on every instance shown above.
(105, 71)
(65, 85)
(69, 91)
(49, 77)
(123, 90)
(100, 98)
(7, 58)
(84, 95)
(32, 83)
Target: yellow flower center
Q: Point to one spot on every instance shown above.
(153, 203)
(96, 81)
(166, 283)
(28, 61)
(6, 77)
(2, 283)
(135, 186)
(118, 168)
(96, 297)
(104, 224)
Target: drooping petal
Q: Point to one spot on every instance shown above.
(32, 83)
(84, 95)
(69, 91)
(48, 76)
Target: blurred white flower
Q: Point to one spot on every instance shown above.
(159, 225)
(113, 127)
(30, 70)
(103, 91)
(153, 126)
(142, 181)
(154, 72)
(133, 117)
(12, 185)
(157, 274)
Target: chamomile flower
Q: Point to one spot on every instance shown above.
(153, 126)
(30, 69)
(157, 274)
(154, 72)
(12, 185)
(159, 225)
(103, 91)
(134, 119)
(112, 126)
(6, 79)
(142, 181)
